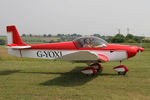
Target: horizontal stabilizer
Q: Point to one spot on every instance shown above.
(15, 46)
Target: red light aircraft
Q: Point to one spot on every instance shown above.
(90, 50)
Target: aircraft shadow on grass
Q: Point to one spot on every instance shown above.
(72, 78)
(9, 72)
(66, 79)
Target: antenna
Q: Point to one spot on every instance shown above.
(119, 31)
(128, 31)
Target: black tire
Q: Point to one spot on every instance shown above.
(124, 73)
(100, 70)
(119, 73)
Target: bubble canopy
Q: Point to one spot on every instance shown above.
(90, 42)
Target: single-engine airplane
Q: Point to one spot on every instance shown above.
(89, 49)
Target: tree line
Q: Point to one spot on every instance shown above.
(118, 38)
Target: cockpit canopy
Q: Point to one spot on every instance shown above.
(89, 42)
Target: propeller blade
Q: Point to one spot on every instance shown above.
(139, 51)
(139, 54)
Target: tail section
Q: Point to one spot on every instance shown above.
(15, 43)
(14, 39)
(13, 36)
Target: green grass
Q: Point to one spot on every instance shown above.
(37, 79)
(3, 38)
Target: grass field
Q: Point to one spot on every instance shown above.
(36, 79)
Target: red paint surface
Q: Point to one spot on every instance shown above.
(90, 68)
(102, 57)
(16, 39)
(122, 66)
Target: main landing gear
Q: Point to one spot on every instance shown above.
(92, 69)
(122, 69)
(96, 67)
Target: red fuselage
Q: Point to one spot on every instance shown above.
(131, 50)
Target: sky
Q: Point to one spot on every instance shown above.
(85, 17)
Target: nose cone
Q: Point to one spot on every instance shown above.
(133, 50)
(140, 49)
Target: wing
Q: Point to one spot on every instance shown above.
(84, 56)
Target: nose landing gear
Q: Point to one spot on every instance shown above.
(122, 69)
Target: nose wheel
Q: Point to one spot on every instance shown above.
(122, 69)
(121, 73)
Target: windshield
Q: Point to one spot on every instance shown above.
(90, 42)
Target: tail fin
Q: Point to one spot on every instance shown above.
(15, 43)
(14, 39)
(13, 36)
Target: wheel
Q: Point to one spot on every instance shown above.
(100, 70)
(121, 73)
(97, 66)
(124, 73)
(90, 75)
(122, 69)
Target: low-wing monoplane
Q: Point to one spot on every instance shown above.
(90, 50)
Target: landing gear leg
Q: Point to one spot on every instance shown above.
(120, 62)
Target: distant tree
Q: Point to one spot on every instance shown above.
(23, 35)
(60, 35)
(130, 36)
(44, 35)
(118, 38)
(108, 38)
(2, 42)
(97, 35)
(75, 35)
(138, 38)
(30, 35)
(49, 35)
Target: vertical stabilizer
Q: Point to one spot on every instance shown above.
(15, 44)
(13, 36)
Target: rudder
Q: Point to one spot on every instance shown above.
(13, 36)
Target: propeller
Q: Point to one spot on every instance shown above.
(140, 49)
(139, 54)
